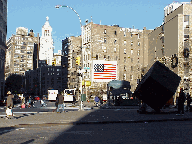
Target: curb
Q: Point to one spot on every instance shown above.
(101, 122)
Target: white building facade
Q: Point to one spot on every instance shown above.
(46, 43)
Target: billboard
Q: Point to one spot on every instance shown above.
(104, 71)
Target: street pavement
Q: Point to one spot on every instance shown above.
(106, 124)
(94, 115)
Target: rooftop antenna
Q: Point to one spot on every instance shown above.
(91, 19)
(100, 22)
(86, 21)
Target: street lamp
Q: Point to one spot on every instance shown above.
(59, 6)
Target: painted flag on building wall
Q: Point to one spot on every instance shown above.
(104, 71)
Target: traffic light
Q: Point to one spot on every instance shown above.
(78, 61)
(54, 62)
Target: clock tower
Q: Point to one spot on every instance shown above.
(46, 43)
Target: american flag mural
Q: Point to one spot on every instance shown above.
(104, 71)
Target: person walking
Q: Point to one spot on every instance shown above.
(60, 99)
(56, 105)
(181, 101)
(97, 101)
(9, 105)
(188, 102)
(23, 103)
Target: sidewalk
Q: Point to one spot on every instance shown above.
(96, 116)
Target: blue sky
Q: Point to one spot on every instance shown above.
(126, 13)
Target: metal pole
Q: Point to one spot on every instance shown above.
(58, 6)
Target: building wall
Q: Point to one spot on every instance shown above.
(71, 48)
(112, 43)
(43, 78)
(171, 36)
(171, 15)
(3, 47)
(20, 52)
(176, 32)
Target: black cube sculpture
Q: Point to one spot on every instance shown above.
(157, 86)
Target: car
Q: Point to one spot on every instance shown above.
(36, 98)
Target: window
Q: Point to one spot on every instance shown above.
(131, 68)
(104, 49)
(116, 57)
(124, 34)
(104, 57)
(138, 52)
(138, 43)
(132, 60)
(138, 36)
(186, 36)
(131, 77)
(115, 50)
(115, 41)
(124, 67)
(125, 42)
(108, 57)
(131, 52)
(115, 32)
(124, 59)
(124, 51)
(186, 18)
(124, 76)
(105, 40)
(96, 57)
(131, 43)
(105, 31)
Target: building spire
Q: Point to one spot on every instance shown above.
(47, 18)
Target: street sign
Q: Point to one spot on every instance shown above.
(83, 97)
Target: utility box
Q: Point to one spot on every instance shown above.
(157, 86)
(83, 97)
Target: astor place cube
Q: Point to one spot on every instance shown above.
(157, 86)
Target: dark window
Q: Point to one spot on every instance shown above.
(105, 40)
(115, 32)
(105, 31)
(96, 57)
(186, 36)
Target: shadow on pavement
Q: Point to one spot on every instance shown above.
(4, 130)
(106, 126)
(29, 141)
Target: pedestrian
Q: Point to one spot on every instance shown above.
(96, 100)
(9, 105)
(32, 102)
(60, 99)
(188, 102)
(42, 102)
(23, 103)
(181, 101)
(56, 105)
(29, 102)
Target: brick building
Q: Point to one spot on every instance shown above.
(129, 47)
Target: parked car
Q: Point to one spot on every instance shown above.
(36, 98)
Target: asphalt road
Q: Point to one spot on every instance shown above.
(136, 133)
